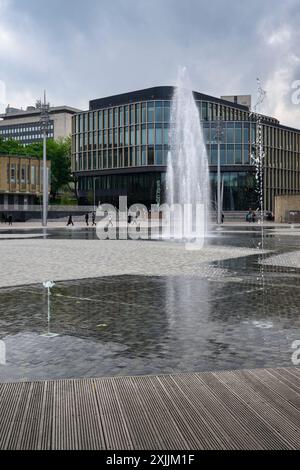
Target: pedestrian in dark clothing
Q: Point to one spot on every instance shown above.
(10, 220)
(249, 216)
(70, 221)
(94, 218)
(222, 218)
(87, 218)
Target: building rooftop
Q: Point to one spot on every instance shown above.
(13, 113)
(154, 93)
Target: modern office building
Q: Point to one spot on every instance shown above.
(120, 147)
(21, 181)
(23, 125)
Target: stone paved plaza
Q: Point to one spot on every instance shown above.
(34, 261)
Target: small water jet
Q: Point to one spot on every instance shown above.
(48, 285)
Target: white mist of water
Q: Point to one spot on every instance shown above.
(187, 173)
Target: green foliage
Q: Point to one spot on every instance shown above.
(58, 152)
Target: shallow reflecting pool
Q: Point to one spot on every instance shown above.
(246, 317)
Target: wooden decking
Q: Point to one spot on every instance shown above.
(257, 409)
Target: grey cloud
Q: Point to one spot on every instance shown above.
(100, 47)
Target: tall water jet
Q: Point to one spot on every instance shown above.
(187, 173)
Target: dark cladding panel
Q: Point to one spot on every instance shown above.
(155, 93)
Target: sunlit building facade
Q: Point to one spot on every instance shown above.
(120, 147)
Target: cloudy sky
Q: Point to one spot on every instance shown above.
(80, 50)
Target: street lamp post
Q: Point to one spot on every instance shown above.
(219, 137)
(44, 126)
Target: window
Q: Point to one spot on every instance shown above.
(150, 135)
(137, 113)
(137, 135)
(204, 112)
(132, 114)
(246, 154)
(214, 154)
(238, 154)
(246, 133)
(158, 134)
(223, 154)
(230, 154)
(105, 120)
(144, 155)
(33, 175)
(110, 118)
(116, 164)
(158, 155)
(158, 111)
(121, 115)
(13, 173)
(238, 132)
(100, 119)
(23, 174)
(150, 155)
(230, 133)
(150, 113)
(137, 156)
(144, 112)
(166, 134)
(144, 135)
(167, 112)
(116, 117)
(132, 135)
(126, 136)
(126, 114)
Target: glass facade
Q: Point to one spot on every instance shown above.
(111, 145)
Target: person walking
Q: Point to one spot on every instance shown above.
(10, 220)
(94, 218)
(70, 221)
(87, 219)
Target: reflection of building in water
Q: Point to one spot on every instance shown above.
(188, 310)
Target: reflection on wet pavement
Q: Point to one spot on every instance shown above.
(130, 325)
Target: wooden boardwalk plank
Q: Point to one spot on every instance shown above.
(251, 409)
(116, 433)
(162, 420)
(225, 427)
(279, 427)
(241, 414)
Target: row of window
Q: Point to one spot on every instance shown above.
(238, 133)
(27, 139)
(26, 174)
(230, 154)
(136, 183)
(23, 129)
(148, 112)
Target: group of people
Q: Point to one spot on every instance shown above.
(7, 219)
(251, 216)
(86, 218)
